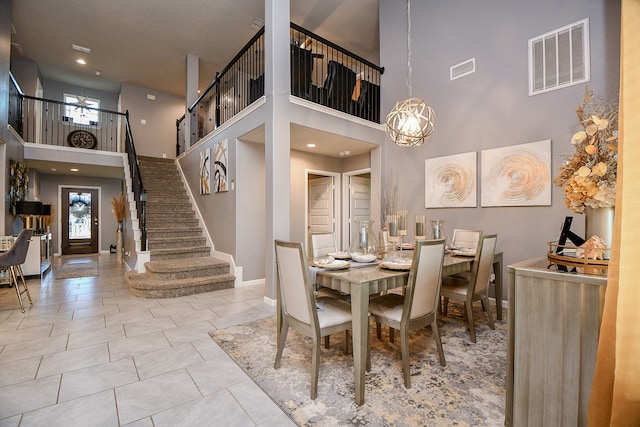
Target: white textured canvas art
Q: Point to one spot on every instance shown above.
(221, 160)
(517, 175)
(450, 181)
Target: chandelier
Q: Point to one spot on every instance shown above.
(411, 120)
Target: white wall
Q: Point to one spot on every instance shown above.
(490, 108)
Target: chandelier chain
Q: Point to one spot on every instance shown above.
(409, 46)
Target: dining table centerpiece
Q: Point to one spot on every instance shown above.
(588, 177)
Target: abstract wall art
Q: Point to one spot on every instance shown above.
(450, 181)
(205, 171)
(518, 175)
(220, 172)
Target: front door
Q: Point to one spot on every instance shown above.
(79, 221)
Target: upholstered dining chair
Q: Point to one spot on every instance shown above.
(467, 239)
(322, 244)
(298, 306)
(417, 308)
(13, 258)
(474, 287)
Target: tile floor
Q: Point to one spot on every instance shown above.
(87, 353)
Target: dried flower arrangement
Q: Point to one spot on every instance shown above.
(589, 176)
(118, 205)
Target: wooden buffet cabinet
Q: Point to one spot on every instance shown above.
(38, 259)
(554, 324)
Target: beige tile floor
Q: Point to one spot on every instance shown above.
(88, 353)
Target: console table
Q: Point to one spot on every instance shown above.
(38, 259)
(554, 325)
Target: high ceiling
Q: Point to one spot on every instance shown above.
(145, 42)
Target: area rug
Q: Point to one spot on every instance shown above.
(469, 391)
(74, 266)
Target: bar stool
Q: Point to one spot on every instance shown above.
(13, 258)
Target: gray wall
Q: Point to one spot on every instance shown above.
(109, 187)
(156, 137)
(490, 108)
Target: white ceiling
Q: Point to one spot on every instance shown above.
(145, 42)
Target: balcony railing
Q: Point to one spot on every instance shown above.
(321, 72)
(45, 121)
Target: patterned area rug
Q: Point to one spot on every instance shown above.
(469, 391)
(74, 266)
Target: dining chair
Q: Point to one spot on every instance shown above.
(13, 258)
(299, 306)
(322, 244)
(476, 286)
(417, 308)
(467, 239)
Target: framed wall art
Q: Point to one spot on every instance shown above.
(205, 171)
(518, 175)
(220, 172)
(450, 181)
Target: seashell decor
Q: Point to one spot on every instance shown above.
(594, 248)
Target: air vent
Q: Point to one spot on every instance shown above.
(16, 49)
(462, 69)
(257, 24)
(559, 58)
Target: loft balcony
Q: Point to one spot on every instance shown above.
(321, 72)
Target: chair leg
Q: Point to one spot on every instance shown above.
(404, 349)
(14, 279)
(436, 338)
(472, 328)
(487, 305)
(392, 334)
(24, 284)
(326, 341)
(378, 331)
(315, 368)
(281, 341)
(346, 341)
(446, 306)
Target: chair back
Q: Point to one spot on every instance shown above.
(423, 287)
(17, 254)
(339, 84)
(322, 244)
(481, 270)
(296, 292)
(466, 238)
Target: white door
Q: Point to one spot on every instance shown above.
(359, 200)
(321, 204)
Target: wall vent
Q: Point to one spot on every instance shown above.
(559, 58)
(462, 69)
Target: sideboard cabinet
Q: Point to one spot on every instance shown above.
(38, 259)
(554, 325)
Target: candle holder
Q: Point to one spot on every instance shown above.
(402, 225)
(421, 227)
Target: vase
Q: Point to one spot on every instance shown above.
(599, 222)
(364, 245)
(119, 244)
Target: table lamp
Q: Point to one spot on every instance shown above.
(27, 210)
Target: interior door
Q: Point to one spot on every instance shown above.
(80, 207)
(321, 204)
(359, 200)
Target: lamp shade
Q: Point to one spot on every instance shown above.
(46, 210)
(25, 207)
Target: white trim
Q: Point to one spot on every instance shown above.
(321, 108)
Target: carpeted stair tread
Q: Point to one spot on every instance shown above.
(175, 242)
(164, 232)
(143, 287)
(175, 265)
(162, 254)
(168, 223)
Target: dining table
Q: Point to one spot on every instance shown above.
(362, 282)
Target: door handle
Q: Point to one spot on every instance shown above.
(95, 221)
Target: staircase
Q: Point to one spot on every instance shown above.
(180, 260)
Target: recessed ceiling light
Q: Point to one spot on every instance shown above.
(74, 170)
(81, 61)
(311, 145)
(53, 169)
(98, 73)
